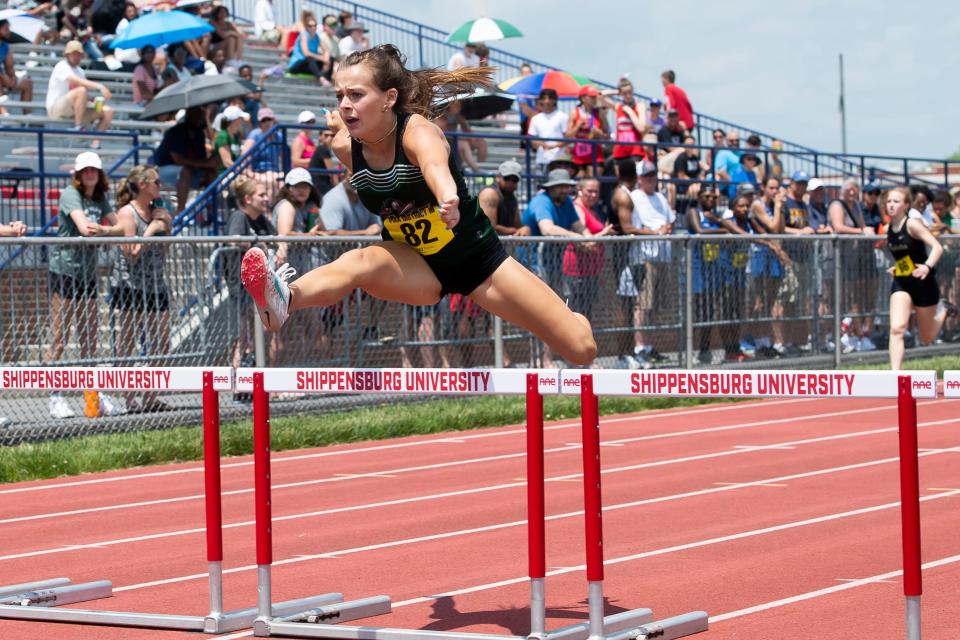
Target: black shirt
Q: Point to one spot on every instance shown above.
(669, 136)
(321, 180)
(183, 139)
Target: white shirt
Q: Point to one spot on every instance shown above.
(125, 55)
(926, 216)
(548, 125)
(263, 18)
(59, 83)
(348, 46)
(461, 59)
(650, 212)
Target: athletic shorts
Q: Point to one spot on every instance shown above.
(127, 299)
(71, 288)
(923, 293)
(473, 270)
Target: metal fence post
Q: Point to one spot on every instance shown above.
(420, 44)
(906, 172)
(688, 301)
(837, 298)
(815, 324)
(42, 166)
(497, 342)
(136, 148)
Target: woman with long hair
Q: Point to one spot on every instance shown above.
(916, 253)
(140, 292)
(437, 240)
(84, 212)
(588, 122)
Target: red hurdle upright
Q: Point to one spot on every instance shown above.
(910, 505)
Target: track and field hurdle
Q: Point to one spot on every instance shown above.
(749, 384)
(39, 601)
(533, 384)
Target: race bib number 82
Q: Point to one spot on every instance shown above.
(423, 230)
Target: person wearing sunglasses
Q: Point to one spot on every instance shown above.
(499, 202)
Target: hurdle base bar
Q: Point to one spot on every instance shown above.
(52, 593)
(312, 621)
(676, 627)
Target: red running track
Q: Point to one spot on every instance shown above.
(779, 518)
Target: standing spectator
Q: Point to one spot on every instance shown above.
(651, 215)
(139, 290)
(583, 261)
(817, 197)
(266, 162)
(548, 123)
(309, 56)
(145, 77)
(225, 36)
(708, 273)
(229, 140)
(586, 122)
(654, 117)
(676, 98)
(84, 211)
(939, 207)
(466, 58)
(248, 219)
(797, 221)
(687, 169)
(771, 267)
(76, 26)
(871, 206)
(68, 90)
(303, 146)
(344, 215)
(182, 158)
(631, 122)
(323, 158)
(499, 202)
(735, 261)
(12, 80)
(356, 39)
(330, 43)
(176, 69)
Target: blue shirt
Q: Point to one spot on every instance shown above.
(541, 207)
(313, 45)
(725, 160)
(267, 159)
(738, 175)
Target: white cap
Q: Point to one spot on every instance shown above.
(298, 176)
(87, 159)
(306, 116)
(233, 112)
(814, 184)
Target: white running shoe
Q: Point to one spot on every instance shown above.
(59, 407)
(268, 288)
(110, 407)
(849, 343)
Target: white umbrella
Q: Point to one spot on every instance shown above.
(23, 28)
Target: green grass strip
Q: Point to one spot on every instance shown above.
(89, 454)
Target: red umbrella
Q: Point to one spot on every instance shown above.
(565, 84)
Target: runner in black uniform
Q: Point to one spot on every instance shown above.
(437, 240)
(915, 253)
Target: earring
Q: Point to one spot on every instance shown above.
(385, 107)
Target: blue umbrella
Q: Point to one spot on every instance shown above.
(161, 27)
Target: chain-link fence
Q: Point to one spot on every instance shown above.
(677, 300)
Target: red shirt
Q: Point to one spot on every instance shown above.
(678, 100)
(585, 262)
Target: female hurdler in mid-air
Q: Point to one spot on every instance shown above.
(436, 239)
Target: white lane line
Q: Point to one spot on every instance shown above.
(858, 579)
(573, 514)
(371, 474)
(760, 447)
(280, 458)
(740, 484)
(568, 478)
(810, 595)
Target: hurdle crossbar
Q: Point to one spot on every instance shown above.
(39, 601)
(534, 384)
(745, 384)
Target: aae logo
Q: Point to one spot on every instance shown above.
(923, 385)
(221, 379)
(953, 385)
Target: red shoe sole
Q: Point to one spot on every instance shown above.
(253, 275)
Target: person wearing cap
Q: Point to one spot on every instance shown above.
(796, 217)
(466, 58)
(355, 40)
(673, 131)
(547, 123)
(687, 169)
(499, 202)
(743, 174)
(229, 140)
(84, 211)
(68, 92)
(303, 145)
(296, 211)
(586, 122)
(655, 118)
(309, 55)
(817, 201)
(872, 215)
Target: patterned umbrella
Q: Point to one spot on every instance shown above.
(163, 27)
(484, 30)
(567, 85)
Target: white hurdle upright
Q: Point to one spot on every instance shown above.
(705, 383)
(38, 601)
(428, 382)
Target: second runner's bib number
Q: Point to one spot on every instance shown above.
(904, 267)
(423, 230)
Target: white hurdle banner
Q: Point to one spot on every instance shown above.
(751, 384)
(175, 379)
(951, 384)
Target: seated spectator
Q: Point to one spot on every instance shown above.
(126, 57)
(345, 20)
(776, 164)
(13, 230)
(673, 132)
(76, 26)
(547, 123)
(471, 150)
(266, 162)
(309, 56)
(687, 169)
(145, 77)
(12, 80)
(265, 27)
(466, 58)
(253, 101)
(225, 35)
(676, 98)
(725, 160)
(654, 118)
(303, 147)
(330, 43)
(68, 90)
(229, 141)
(139, 290)
(754, 146)
(742, 173)
(176, 69)
(344, 215)
(182, 158)
(323, 158)
(587, 122)
(499, 202)
(356, 40)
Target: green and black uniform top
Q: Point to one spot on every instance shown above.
(411, 215)
(908, 252)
